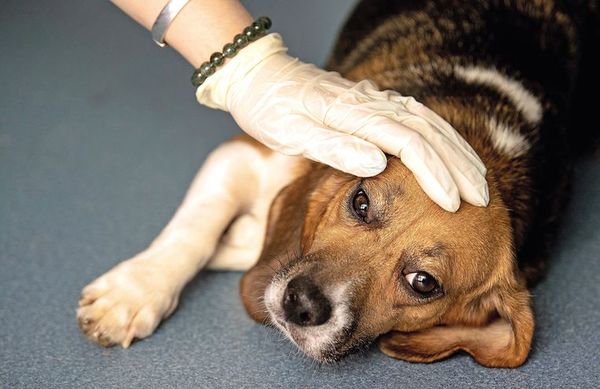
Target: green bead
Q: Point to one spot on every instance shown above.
(217, 59)
(258, 28)
(207, 68)
(197, 78)
(229, 50)
(250, 33)
(265, 21)
(240, 41)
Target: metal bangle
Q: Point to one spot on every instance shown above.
(164, 20)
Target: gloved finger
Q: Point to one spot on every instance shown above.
(466, 173)
(417, 155)
(356, 107)
(388, 134)
(434, 120)
(385, 124)
(444, 173)
(301, 136)
(430, 172)
(471, 183)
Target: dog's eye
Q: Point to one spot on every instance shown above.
(422, 282)
(360, 204)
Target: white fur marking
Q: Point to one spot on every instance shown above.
(312, 340)
(524, 100)
(506, 139)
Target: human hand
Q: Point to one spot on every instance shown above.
(298, 109)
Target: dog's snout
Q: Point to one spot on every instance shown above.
(304, 304)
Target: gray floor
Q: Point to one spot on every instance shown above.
(99, 138)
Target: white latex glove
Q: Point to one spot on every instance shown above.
(299, 109)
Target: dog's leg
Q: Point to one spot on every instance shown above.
(239, 179)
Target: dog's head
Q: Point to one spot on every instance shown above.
(347, 260)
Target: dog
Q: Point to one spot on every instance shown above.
(337, 262)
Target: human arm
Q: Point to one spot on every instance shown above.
(299, 109)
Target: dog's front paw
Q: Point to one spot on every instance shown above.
(127, 302)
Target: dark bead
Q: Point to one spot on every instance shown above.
(250, 33)
(258, 28)
(240, 41)
(265, 21)
(197, 78)
(207, 68)
(217, 59)
(229, 50)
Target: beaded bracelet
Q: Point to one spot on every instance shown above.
(251, 33)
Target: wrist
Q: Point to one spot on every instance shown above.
(200, 28)
(241, 73)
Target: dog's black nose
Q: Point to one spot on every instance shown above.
(304, 304)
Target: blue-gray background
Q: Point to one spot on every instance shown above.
(99, 137)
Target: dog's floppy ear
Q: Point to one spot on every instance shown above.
(283, 237)
(286, 220)
(298, 209)
(318, 205)
(504, 341)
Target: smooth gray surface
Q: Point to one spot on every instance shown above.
(99, 138)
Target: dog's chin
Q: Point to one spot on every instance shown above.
(323, 354)
(312, 346)
(326, 343)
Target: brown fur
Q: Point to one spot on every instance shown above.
(485, 309)
(408, 229)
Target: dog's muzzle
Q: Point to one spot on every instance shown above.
(304, 304)
(316, 318)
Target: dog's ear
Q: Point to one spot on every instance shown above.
(286, 220)
(318, 204)
(282, 238)
(299, 208)
(503, 341)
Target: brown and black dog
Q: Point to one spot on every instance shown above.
(337, 261)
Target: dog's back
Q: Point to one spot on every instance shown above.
(505, 74)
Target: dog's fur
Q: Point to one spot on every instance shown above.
(503, 74)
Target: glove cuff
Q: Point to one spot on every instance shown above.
(214, 92)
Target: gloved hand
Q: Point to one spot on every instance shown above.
(299, 109)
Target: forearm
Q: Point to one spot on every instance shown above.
(201, 28)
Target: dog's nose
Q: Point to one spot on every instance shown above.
(304, 304)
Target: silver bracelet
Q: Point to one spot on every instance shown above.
(164, 20)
